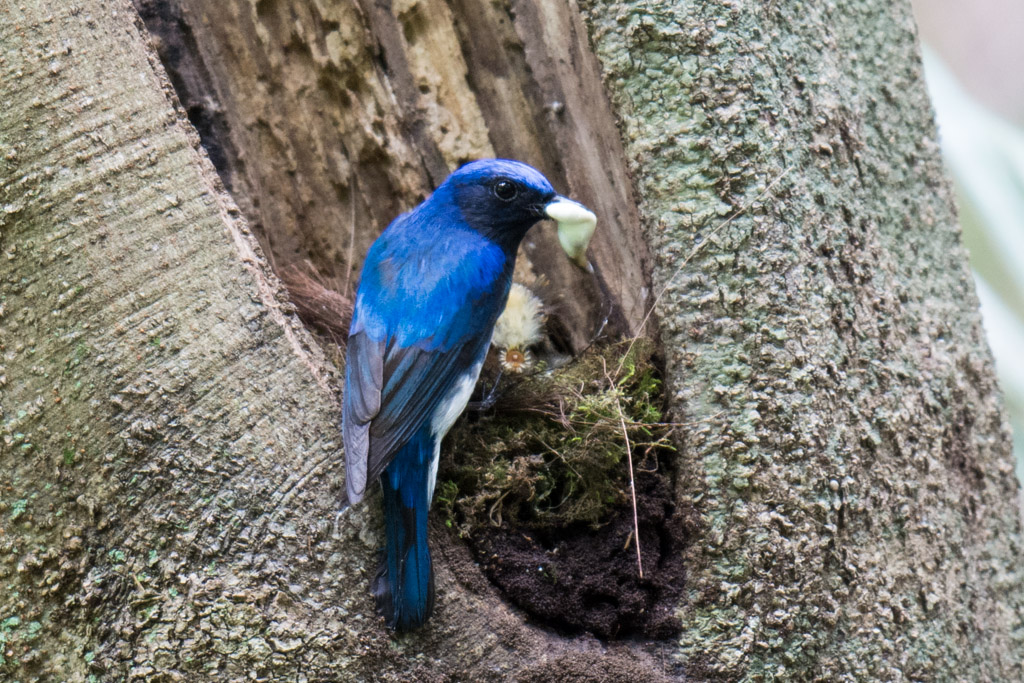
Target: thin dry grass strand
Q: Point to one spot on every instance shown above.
(353, 197)
(629, 460)
(632, 342)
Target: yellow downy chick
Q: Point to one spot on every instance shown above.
(519, 327)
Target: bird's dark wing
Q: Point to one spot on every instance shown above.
(389, 393)
(416, 382)
(364, 377)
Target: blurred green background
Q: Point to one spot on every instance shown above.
(974, 63)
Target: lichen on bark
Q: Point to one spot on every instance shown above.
(163, 416)
(852, 460)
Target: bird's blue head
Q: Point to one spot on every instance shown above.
(499, 198)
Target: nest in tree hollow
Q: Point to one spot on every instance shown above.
(540, 490)
(553, 453)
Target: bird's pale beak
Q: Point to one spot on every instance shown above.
(576, 225)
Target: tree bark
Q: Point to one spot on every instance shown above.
(767, 176)
(329, 119)
(852, 463)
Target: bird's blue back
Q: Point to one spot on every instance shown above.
(426, 278)
(432, 287)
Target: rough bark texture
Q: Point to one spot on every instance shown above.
(330, 118)
(170, 460)
(163, 418)
(852, 460)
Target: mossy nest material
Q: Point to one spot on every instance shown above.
(539, 487)
(553, 451)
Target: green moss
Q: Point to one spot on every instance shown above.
(553, 453)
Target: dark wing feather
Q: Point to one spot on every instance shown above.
(422, 379)
(364, 377)
(388, 398)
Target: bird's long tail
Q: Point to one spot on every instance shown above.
(404, 585)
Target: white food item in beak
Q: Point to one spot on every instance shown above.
(576, 224)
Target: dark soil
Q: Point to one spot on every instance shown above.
(581, 579)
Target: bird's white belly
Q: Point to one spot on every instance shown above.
(448, 410)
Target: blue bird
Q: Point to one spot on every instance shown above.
(432, 286)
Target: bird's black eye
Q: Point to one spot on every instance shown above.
(505, 190)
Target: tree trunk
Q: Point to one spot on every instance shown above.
(766, 177)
